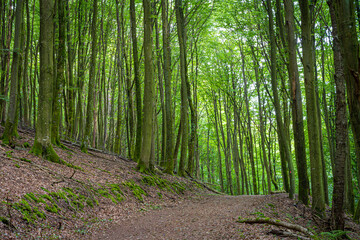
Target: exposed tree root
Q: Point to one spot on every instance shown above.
(277, 223)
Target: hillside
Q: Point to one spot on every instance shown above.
(101, 196)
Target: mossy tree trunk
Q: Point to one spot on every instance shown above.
(10, 131)
(144, 164)
(138, 139)
(184, 93)
(42, 144)
(60, 76)
(296, 104)
(318, 195)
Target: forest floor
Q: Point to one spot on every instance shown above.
(103, 197)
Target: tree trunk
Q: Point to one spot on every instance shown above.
(137, 82)
(42, 144)
(296, 105)
(92, 81)
(11, 124)
(318, 203)
(60, 77)
(147, 130)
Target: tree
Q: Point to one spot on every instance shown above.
(137, 82)
(168, 94)
(337, 214)
(180, 23)
(11, 121)
(283, 141)
(296, 104)
(91, 88)
(42, 144)
(318, 203)
(149, 89)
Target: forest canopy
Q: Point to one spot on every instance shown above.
(249, 96)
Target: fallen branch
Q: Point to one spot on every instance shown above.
(277, 223)
(202, 184)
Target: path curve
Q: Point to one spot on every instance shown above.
(211, 217)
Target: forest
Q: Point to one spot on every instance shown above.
(251, 97)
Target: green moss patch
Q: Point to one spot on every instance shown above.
(163, 184)
(135, 189)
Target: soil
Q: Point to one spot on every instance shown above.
(215, 217)
(159, 213)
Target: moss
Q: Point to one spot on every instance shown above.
(116, 191)
(163, 184)
(160, 195)
(53, 208)
(29, 213)
(136, 190)
(17, 165)
(32, 197)
(9, 153)
(4, 220)
(25, 160)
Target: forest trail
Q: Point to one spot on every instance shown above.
(208, 217)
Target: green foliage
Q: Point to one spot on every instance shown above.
(333, 235)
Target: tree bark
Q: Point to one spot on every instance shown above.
(149, 89)
(10, 130)
(296, 104)
(42, 144)
(318, 203)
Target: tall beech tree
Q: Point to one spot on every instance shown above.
(42, 144)
(144, 164)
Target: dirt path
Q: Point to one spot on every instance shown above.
(211, 217)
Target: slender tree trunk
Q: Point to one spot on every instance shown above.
(250, 140)
(318, 203)
(283, 143)
(168, 94)
(60, 76)
(11, 124)
(92, 81)
(180, 22)
(296, 105)
(337, 213)
(137, 82)
(262, 130)
(218, 143)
